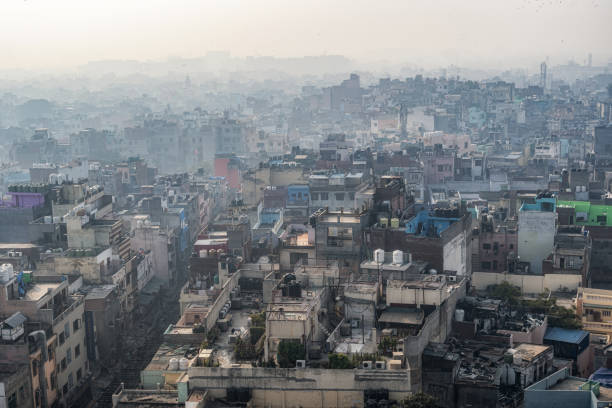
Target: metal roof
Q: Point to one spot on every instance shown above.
(16, 320)
(565, 335)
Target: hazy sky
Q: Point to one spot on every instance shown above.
(40, 34)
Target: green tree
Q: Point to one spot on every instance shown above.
(421, 400)
(505, 291)
(340, 361)
(289, 352)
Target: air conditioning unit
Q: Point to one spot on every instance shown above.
(367, 365)
(300, 364)
(452, 278)
(381, 365)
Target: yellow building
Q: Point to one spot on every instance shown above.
(594, 306)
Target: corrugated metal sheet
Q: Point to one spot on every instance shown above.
(565, 335)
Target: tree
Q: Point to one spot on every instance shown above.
(289, 352)
(505, 291)
(340, 361)
(421, 400)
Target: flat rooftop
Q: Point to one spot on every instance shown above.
(343, 219)
(39, 290)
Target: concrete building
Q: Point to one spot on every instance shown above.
(441, 237)
(537, 224)
(15, 386)
(47, 301)
(338, 237)
(593, 307)
(573, 345)
(337, 191)
(562, 389)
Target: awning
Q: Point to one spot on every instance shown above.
(16, 320)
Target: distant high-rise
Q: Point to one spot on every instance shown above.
(543, 75)
(590, 60)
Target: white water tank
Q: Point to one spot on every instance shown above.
(379, 256)
(6, 272)
(183, 364)
(459, 315)
(173, 365)
(398, 257)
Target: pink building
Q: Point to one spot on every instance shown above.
(438, 165)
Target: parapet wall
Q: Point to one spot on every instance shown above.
(286, 387)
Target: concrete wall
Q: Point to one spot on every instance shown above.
(529, 284)
(539, 396)
(278, 387)
(76, 338)
(437, 327)
(536, 237)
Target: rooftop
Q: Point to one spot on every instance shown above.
(565, 335)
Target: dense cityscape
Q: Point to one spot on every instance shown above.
(278, 232)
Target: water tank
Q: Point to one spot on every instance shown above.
(183, 364)
(433, 272)
(398, 257)
(173, 365)
(459, 315)
(6, 272)
(53, 179)
(379, 256)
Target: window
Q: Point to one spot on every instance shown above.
(34, 368)
(77, 351)
(340, 196)
(494, 265)
(53, 381)
(67, 330)
(606, 313)
(79, 374)
(62, 338)
(70, 381)
(351, 196)
(511, 246)
(69, 356)
(486, 266)
(76, 325)
(315, 196)
(486, 246)
(63, 364)
(12, 401)
(21, 393)
(602, 219)
(440, 167)
(324, 196)
(65, 389)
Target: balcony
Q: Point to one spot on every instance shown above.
(597, 327)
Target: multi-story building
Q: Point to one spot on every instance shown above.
(48, 302)
(438, 165)
(537, 225)
(338, 236)
(339, 191)
(593, 307)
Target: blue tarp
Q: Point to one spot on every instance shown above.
(603, 376)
